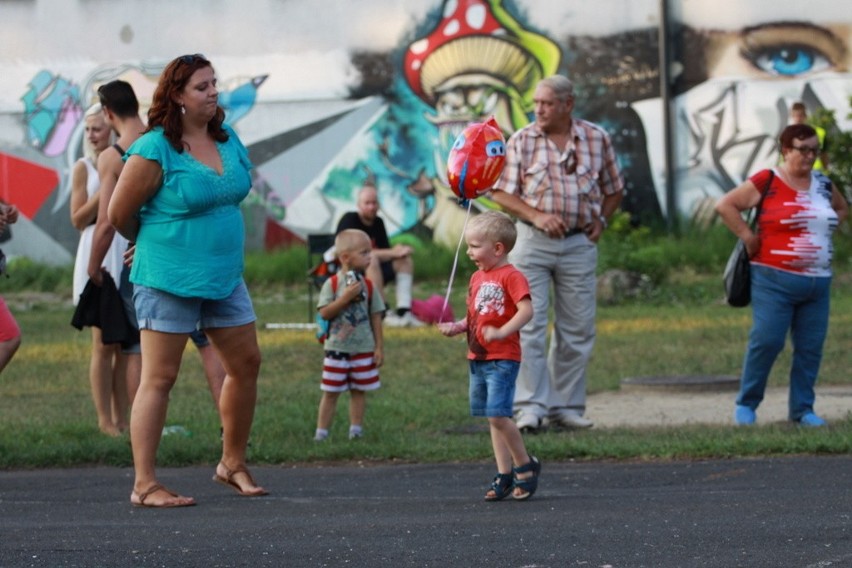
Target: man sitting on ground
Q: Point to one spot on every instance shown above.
(389, 263)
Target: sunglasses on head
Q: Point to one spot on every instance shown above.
(190, 59)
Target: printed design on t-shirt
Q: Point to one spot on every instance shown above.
(807, 247)
(490, 299)
(345, 324)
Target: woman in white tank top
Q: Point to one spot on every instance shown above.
(107, 366)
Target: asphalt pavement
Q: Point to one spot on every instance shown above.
(780, 512)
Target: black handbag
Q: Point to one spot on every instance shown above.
(737, 274)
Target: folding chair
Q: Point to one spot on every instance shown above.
(319, 270)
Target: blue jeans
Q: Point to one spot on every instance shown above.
(784, 301)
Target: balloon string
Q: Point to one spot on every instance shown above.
(455, 263)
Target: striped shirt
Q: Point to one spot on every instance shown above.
(572, 183)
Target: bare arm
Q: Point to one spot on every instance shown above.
(451, 328)
(8, 215)
(393, 253)
(519, 320)
(609, 205)
(376, 325)
(84, 209)
(838, 203)
(109, 168)
(553, 225)
(347, 295)
(730, 207)
(140, 180)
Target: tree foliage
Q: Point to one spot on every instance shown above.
(839, 149)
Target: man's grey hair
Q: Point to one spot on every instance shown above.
(561, 86)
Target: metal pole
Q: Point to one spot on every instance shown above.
(665, 99)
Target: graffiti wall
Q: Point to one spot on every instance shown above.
(328, 95)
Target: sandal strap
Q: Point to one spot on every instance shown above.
(230, 473)
(527, 484)
(502, 480)
(153, 489)
(533, 465)
(501, 486)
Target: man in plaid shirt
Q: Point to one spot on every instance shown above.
(562, 183)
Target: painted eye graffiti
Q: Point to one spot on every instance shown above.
(789, 60)
(459, 143)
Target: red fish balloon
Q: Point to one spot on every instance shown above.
(476, 159)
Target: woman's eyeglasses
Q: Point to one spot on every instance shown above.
(805, 150)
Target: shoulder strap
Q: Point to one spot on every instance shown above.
(762, 197)
(369, 282)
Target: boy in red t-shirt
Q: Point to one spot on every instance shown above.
(498, 305)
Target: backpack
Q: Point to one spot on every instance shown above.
(323, 325)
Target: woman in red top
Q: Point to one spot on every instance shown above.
(790, 270)
(10, 333)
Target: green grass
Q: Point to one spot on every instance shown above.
(420, 415)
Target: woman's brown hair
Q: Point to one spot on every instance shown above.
(166, 113)
(795, 132)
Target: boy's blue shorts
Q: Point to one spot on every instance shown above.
(492, 387)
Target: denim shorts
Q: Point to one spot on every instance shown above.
(157, 310)
(492, 387)
(125, 291)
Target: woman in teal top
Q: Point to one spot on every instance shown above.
(191, 234)
(178, 199)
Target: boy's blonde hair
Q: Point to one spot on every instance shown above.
(496, 227)
(348, 240)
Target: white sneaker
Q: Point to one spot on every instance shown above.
(393, 320)
(411, 320)
(527, 422)
(571, 420)
(405, 320)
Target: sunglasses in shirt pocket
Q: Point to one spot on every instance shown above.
(537, 179)
(587, 182)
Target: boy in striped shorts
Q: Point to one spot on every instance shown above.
(354, 346)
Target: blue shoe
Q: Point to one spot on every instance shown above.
(744, 416)
(812, 420)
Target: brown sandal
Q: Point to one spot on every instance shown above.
(153, 489)
(228, 479)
